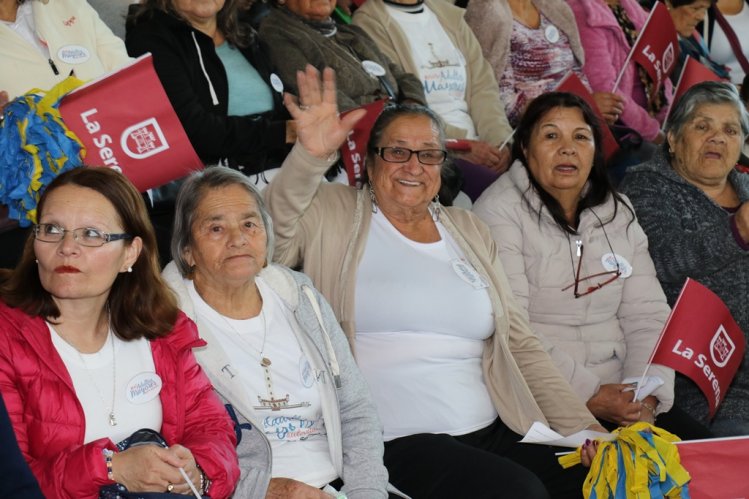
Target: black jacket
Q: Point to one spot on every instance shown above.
(256, 142)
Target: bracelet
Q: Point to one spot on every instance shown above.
(204, 482)
(108, 454)
(649, 407)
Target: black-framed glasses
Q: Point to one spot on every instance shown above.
(613, 274)
(85, 236)
(402, 155)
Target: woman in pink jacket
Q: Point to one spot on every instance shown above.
(608, 29)
(93, 349)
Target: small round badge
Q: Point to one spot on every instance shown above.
(551, 33)
(276, 83)
(373, 68)
(73, 54)
(143, 388)
(610, 261)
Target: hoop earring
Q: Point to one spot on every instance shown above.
(372, 198)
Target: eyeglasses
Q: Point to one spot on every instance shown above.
(85, 236)
(614, 274)
(402, 155)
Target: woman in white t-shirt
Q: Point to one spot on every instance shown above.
(275, 351)
(431, 40)
(735, 14)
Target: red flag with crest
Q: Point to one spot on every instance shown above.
(702, 341)
(656, 48)
(126, 122)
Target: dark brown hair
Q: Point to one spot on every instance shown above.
(140, 303)
(227, 19)
(599, 186)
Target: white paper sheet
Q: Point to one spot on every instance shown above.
(539, 433)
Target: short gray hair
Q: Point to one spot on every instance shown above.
(707, 92)
(191, 194)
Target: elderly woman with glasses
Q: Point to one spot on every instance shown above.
(93, 349)
(693, 206)
(578, 261)
(275, 351)
(455, 371)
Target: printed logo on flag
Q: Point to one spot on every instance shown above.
(669, 58)
(143, 139)
(721, 347)
(702, 341)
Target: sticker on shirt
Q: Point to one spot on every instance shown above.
(73, 54)
(143, 388)
(551, 33)
(276, 83)
(610, 261)
(466, 272)
(307, 375)
(373, 69)
(292, 428)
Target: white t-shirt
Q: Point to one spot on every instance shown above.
(285, 397)
(442, 67)
(720, 49)
(137, 404)
(420, 334)
(25, 27)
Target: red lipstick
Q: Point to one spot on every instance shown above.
(66, 269)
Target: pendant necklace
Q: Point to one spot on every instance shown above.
(111, 417)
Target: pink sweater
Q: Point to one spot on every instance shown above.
(606, 50)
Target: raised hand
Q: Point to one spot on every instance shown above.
(319, 127)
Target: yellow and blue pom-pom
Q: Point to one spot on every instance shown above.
(35, 147)
(641, 463)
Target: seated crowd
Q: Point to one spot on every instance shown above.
(261, 329)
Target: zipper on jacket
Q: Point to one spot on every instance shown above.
(52, 65)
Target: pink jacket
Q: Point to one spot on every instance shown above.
(49, 422)
(606, 50)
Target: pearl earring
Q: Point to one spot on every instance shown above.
(130, 269)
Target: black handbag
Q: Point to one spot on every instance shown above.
(144, 436)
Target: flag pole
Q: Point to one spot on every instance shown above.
(660, 337)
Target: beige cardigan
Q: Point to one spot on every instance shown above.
(323, 228)
(482, 91)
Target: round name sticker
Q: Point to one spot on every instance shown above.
(610, 261)
(306, 374)
(276, 83)
(551, 33)
(73, 54)
(469, 274)
(373, 68)
(143, 388)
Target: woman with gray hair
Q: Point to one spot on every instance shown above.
(691, 202)
(275, 352)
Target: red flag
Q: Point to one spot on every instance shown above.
(572, 84)
(126, 122)
(702, 341)
(657, 47)
(692, 73)
(717, 466)
(354, 150)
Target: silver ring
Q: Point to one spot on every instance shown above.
(169, 488)
(303, 107)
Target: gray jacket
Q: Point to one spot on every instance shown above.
(354, 430)
(691, 236)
